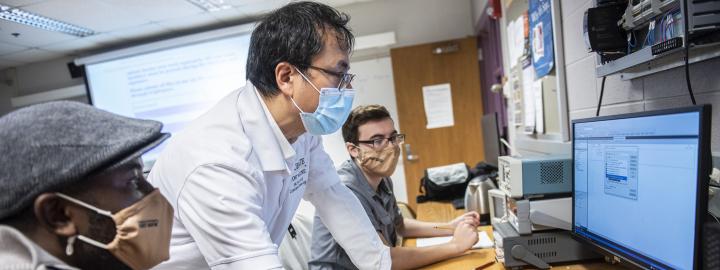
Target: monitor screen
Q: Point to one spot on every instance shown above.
(173, 85)
(636, 185)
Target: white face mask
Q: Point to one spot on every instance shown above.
(143, 231)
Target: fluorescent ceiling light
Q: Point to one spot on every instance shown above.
(23, 17)
(211, 5)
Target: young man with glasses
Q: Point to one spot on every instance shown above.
(237, 173)
(374, 148)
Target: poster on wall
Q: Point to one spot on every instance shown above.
(541, 37)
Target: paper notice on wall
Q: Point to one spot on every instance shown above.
(438, 106)
(539, 107)
(516, 40)
(511, 42)
(528, 78)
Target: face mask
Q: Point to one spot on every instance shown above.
(332, 111)
(143, 231)
(380, 162)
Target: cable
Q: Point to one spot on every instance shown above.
(602, 89)
(687, 53)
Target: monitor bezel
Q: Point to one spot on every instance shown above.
(496, 131)
(704, 166)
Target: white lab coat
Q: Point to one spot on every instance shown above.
(235, 183)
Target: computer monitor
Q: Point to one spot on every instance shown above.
(491, 138)
(640, 185)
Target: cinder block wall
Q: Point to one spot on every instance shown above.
(661, 90)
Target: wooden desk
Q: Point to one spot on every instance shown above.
(443, 212)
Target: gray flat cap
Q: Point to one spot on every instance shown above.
(48, 146)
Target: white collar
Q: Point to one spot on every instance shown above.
(259, 126)
(287, 150)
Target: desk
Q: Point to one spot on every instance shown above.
(442, 212)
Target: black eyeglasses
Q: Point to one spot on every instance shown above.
(345, 78)
(396, 139)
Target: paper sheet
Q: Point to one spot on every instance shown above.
(539, 107)
(516, 39)
(528, 78)
(438, 106)
(483, 241)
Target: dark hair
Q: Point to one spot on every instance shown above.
(293, 34)
(358, 117)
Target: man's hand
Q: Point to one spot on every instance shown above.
(465, 237)
(472, 218)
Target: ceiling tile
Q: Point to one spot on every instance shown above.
(32, 55)
(338, 3)
(189, 22)
(255, 8)
(157, 10)
(104, 39)
(116, 21)
(74, 46)
(7, 48)
(96, 15)
(29, 36)
(228, 15)
(141, 31)
(20, 3)
(237, 3)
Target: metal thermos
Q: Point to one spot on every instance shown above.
(476, 197)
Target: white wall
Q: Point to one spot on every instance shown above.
(374, 85)
(35, 78)
(478, 10)
(413, 21)
(6, 90)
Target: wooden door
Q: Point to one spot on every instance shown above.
(418, 66)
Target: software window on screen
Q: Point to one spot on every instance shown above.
(636, 182)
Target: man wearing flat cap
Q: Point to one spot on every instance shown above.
(73, 193)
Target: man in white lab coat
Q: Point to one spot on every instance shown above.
(235, 176)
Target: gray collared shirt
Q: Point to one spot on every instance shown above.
(380, 206)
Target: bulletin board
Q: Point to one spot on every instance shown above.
(531, 34)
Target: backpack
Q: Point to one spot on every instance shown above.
(444, 183)
(449, 182)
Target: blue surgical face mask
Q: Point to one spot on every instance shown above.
(332, 111)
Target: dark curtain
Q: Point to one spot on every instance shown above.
(491, 68)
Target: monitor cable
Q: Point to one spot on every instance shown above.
(687, 54)
(602, 89)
